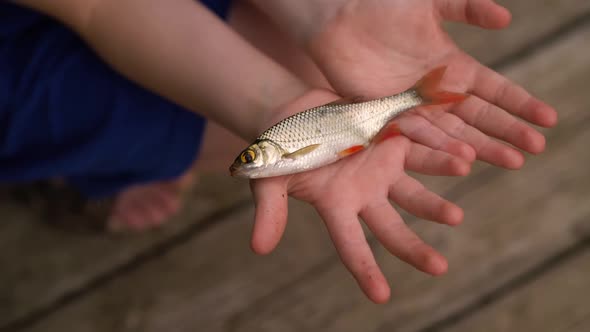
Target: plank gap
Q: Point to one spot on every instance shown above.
(185, 236)
(536, 45)
(233, 321)
(551, 263)
(580, 325)
(138, 260)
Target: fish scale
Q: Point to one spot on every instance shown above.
(335, 128)
(341, 124)
(324, 134)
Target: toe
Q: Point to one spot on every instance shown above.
(143, 207)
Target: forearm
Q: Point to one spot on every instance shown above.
(180, 50)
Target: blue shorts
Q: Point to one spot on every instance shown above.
(65, 113)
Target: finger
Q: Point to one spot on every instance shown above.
(424, 160)
(486, 148)
(496, 122)
(483, 13)
(401, 241)
(413, 197)
(270, 220)
(419, 130)
(498, 90)
(354, 251)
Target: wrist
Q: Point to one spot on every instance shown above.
(272, 105)
(302, 19)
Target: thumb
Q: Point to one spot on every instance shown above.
(483, 13)
(270, 197)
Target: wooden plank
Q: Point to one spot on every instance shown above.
(40, 264)
(60, 263)
(513, 223)
(557, 301)
(531, 20)
(186, 289)
(581, 326)
(197, 285)
(506, 234)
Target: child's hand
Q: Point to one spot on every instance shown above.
(374, 47)
(360, 186)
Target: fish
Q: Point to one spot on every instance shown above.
(325, 134)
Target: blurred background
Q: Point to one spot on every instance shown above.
(520, 261)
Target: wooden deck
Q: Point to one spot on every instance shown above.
(520, 261)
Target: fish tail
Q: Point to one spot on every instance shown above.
(428, 89)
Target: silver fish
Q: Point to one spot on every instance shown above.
(324, 134)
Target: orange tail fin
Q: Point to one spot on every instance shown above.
(428, 89)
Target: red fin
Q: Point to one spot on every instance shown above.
(389, 131)
(428, 89)
(350, 150)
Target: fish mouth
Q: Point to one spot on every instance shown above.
(236, 171)
(233, 170)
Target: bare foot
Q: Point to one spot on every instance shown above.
(147, 206)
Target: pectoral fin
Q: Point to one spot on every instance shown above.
(301, 152)
(390, 130)
(351, 150)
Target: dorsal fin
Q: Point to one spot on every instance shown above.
(347, 101)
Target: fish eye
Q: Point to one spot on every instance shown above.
(247, 156)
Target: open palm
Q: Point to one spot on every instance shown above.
(361, 186)
(375, 48)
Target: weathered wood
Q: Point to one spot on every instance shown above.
(505, 235)
(581, 326)
(513, 222)
(40, 264)
(187, 290)
(531, 21)
(556, 301)
(197, 285)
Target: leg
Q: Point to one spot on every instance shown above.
(105, 137)
(144, 206)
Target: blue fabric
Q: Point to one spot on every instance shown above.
(65, 113)
(219, 7)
